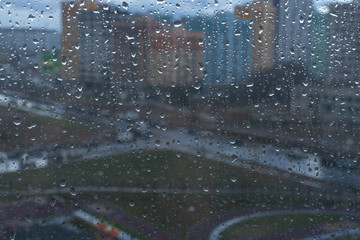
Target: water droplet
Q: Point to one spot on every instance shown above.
(62, 183)
(177, 23)
(234, 179)
(63, 60)
(31, 17)
(129, 37)
(197, 85)
(12, 235)
(52, 202)
(106, 164)
(132, 203)
(160, 1)
(17, 122)
(72, 191)
(125, 5)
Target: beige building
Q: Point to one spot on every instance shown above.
(69, 40)
(175, 57)
(70, 35)
(328, 103)
(262, 15)
(137, 49)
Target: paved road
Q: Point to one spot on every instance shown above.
(215, 233)
(351, 232)
(52, 111)
(82, 189)
(212, 228)
(94, 221)
(219, 148)
(116, 214)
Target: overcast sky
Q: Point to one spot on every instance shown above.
(47, 13)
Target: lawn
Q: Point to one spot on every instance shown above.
(174, 213)
(150, 170)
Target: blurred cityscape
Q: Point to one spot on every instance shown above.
(268, 91)
(269, 71)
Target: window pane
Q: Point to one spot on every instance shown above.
(179, 119)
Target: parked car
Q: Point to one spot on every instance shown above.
(344, 163)
(125, 137)
(329, 161)
(35, 159)
(3, 157)
(193, 131)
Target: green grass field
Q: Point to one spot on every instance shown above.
(174, 213)
(149, 170)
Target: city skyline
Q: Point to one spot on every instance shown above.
(47, 14)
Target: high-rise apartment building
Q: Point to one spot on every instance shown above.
(227, 48)
(132, 43)
(293, 31)
(103, 46)
(70, 40)
(343, 44)
(88, 42)
(124, 51)
(28, 41)
(319, 33)
(95, 44)
(175, 56)
(262, 16)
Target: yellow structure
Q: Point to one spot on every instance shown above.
(69, 40)
(175, 57)
(262, 15)
(70, 35)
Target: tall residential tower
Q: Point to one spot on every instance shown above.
(227, 49)
(343, 44)
(262, 17)
(293, 31)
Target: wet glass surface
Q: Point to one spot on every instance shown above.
(179, 119)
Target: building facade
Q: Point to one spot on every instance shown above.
(343, 45)
(227, 49)
(104, 47)
(293, 31)
(262, 16)
(175, 56)
(28, 41)
(88, 42)
(319, 35)
(69, 40)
